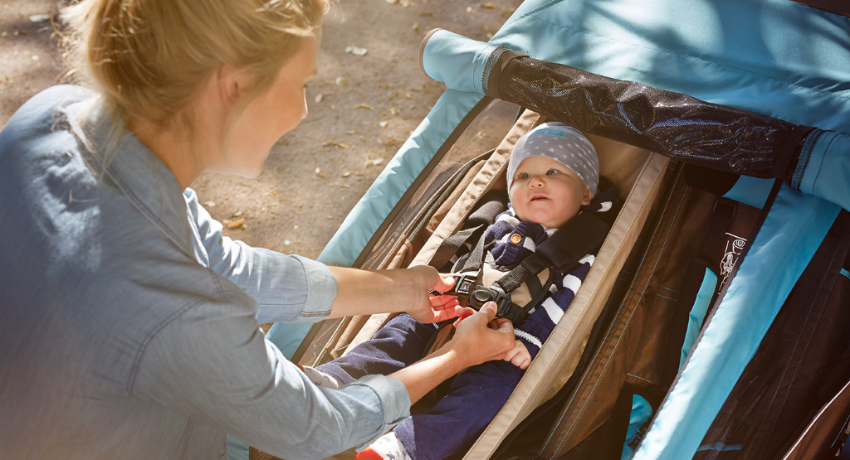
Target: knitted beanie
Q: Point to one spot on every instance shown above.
(563, 144)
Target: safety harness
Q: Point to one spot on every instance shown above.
(525, 285)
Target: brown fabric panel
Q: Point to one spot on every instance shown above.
(802, 362)
(816, 440)
(444, 208)
(841, 7)
(635, 351)
(596, 395)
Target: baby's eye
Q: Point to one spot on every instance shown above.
(523, 175)
(552, 172)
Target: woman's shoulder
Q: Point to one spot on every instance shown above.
(49, 101)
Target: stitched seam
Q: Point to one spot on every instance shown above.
(673, 290)
(142, 208)
(143, 348)
(665, 297)
(611, 328)
(641, 378)
(695, 58)
(805, 349)
(803, 161)
(220, 295)
(663, 246)
(822, 161)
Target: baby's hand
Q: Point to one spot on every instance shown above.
(518, 355)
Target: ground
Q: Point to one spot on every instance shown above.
(361, 108)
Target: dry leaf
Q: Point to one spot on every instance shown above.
(394, 111)
(388, 141)
(210, 204)
(351, 132)
(470, 10)
(426, 14)
(383, 123)
(488, 5)
(402, 94)
(335, 144)
(346, 174)
(489, 35)
(363, 106)
(341, 81)
(374, 162)
(39, 17)
(415, 26)
(319, 98)
(507, 11)
(405, 3)
(234, 223)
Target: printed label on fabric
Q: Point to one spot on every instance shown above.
(734, 245)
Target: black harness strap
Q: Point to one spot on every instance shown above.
(450, 245)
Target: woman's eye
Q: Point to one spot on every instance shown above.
(552, 172)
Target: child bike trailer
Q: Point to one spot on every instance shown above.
(711, 323)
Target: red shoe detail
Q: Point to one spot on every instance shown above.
(368, 454)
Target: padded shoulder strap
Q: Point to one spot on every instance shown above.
(581, 236)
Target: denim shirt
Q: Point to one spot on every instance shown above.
(129, 324)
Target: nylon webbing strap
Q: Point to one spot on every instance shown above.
(475, 261)
(448, 248)
(525, 271)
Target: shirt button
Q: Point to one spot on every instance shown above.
(516, 238)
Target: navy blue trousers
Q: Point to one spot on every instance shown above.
(455, 422)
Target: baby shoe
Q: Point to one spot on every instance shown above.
(387, 447)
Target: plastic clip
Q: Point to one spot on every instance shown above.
(462, 287)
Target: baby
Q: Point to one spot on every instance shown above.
(553, 172)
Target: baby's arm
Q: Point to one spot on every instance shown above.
(519, 355)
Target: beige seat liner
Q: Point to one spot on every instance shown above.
(638, 175)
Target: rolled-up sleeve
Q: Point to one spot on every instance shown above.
(287, 288)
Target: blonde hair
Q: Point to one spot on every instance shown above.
(148, 59)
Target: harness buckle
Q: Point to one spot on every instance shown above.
(482, 295)
(462, 287)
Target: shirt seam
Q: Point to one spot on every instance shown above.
(219, 295)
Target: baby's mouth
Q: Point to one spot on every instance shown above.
(538, 198)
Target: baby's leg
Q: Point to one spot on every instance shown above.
(475, 397)
(399, 343)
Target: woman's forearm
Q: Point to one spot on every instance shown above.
(424, 375)
(364, 292)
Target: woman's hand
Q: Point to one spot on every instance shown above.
(365, 292)
(429, 308)
(480, 338)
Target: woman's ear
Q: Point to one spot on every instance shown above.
(228, 82)
(585, 200)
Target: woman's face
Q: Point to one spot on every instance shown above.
(271, 114)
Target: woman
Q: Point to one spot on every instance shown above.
(128, 324)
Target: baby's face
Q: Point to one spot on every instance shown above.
(547, 192)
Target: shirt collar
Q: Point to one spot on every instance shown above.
(131, 167)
